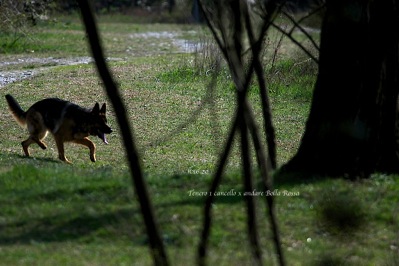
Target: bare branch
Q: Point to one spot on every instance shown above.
(232, 49)
(155, 241)
(248, 186)
(256, 48)
(266, 181)
(269, 130)
(217, 178)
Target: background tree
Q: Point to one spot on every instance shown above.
(352, 125)
(17, 15)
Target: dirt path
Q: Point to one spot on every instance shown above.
(13, 70)
(9, 76)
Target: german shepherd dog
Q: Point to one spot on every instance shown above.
(67, 122)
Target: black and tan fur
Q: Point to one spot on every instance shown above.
(67, 122)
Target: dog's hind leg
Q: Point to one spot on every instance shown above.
(89, 144)
(25, 145)
(33, 139)
(37, 131)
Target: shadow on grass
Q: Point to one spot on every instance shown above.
(61, 228)
(67, 209)
(283, 177)
(38, 159)
(17, 158)
(126, 222)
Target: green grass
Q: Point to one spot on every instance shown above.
(66, 37)
(87, 214)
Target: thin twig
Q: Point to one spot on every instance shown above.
(305, 32)
(296, 42)
(216, 131)
(276, 51)
(314, 11)
(213, 30)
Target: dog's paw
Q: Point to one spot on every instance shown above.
(65, 160)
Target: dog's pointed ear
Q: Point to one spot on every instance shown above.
(96, 109)
(103, 109)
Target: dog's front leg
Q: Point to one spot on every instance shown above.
(60, 146)
(89, 144)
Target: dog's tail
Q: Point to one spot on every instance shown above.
(16, 110)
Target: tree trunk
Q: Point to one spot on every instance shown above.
(352, 125)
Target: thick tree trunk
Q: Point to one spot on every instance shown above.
(352, 124)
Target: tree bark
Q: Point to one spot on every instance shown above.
(352, 125)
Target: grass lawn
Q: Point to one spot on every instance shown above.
(86, 213)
